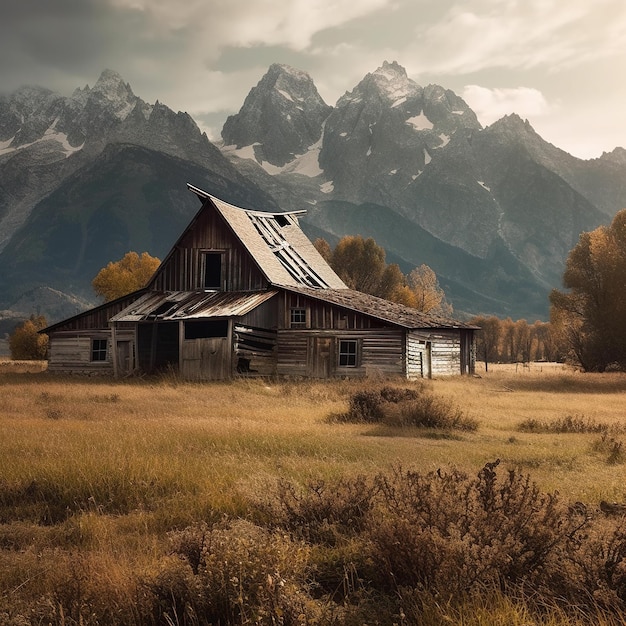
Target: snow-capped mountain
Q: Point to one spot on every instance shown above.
(281, 117)
(395, 157)
(494, 211)
(84, 179)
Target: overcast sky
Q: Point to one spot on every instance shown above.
(561, 64)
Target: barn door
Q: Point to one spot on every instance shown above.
(322, 357)
(125, 358)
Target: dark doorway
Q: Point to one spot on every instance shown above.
(158, 346)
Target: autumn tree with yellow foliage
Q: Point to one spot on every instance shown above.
(26, 343)
(361, 264)
(130, 273)
(591, 315)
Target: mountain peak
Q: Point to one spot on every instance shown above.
(281, 117)
(112, 85)
(389, 81)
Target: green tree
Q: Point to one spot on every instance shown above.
(591, 315)
(25, 343)
(122, 277)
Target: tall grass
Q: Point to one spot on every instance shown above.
(102, 484)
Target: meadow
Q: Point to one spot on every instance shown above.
(157, 501)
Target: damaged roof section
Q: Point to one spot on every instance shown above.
(189, 305)
(283, 252)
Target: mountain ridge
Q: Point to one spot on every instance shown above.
(494, 210)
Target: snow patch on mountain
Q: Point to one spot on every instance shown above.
(420, 122)
(445, 140)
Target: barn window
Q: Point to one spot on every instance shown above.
(348, 352)
(98, 349)
(213, 270)
(298, 318)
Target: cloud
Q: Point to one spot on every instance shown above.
(492, 104)
(243, 23)
(478, 34)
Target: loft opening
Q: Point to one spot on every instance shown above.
(213, 270)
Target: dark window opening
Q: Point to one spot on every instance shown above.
(347, 353)
(206, 328)
(298, 317)
(213, 270)
(162, 309)
(281, 220)
(98, 349)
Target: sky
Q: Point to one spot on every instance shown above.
(561, 64)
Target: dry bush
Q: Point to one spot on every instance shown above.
(610, 446)
(569, 424)
(233, 573)
(402, 407)
(449, 533)
(322, 511)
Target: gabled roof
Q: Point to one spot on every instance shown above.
(380, 309)
(190, 305)
(277, 244)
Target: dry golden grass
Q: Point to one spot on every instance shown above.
(104, 469)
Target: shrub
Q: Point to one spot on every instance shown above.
(450, 533)
(321, 511)
(398, 407)
(233, 573)
(26, 344)
(569, 424)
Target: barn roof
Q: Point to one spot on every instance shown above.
(277, 244)
(189, 305)
(378, 308)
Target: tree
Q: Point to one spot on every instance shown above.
(122, 277)
(25, 343)
(360, 263)
(488, 339)
(429, 296)
(591, 315)
(323, 247)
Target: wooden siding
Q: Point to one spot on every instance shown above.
(312, 353)
(184, 267)
(323, 315)
(445, 352)
(70, 352)
(254, 351)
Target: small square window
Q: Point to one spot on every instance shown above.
(99, 350)
(298, 317)
(347, 352)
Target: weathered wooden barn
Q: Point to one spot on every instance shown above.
(246, 293)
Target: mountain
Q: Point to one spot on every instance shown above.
(87, 178)
(494, 211)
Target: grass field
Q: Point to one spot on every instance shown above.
(96, 475)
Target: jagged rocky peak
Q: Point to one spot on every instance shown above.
(617, 155)
(281, 117)
(391, 82)
(111, 92)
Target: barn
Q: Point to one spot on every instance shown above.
(245, 293)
